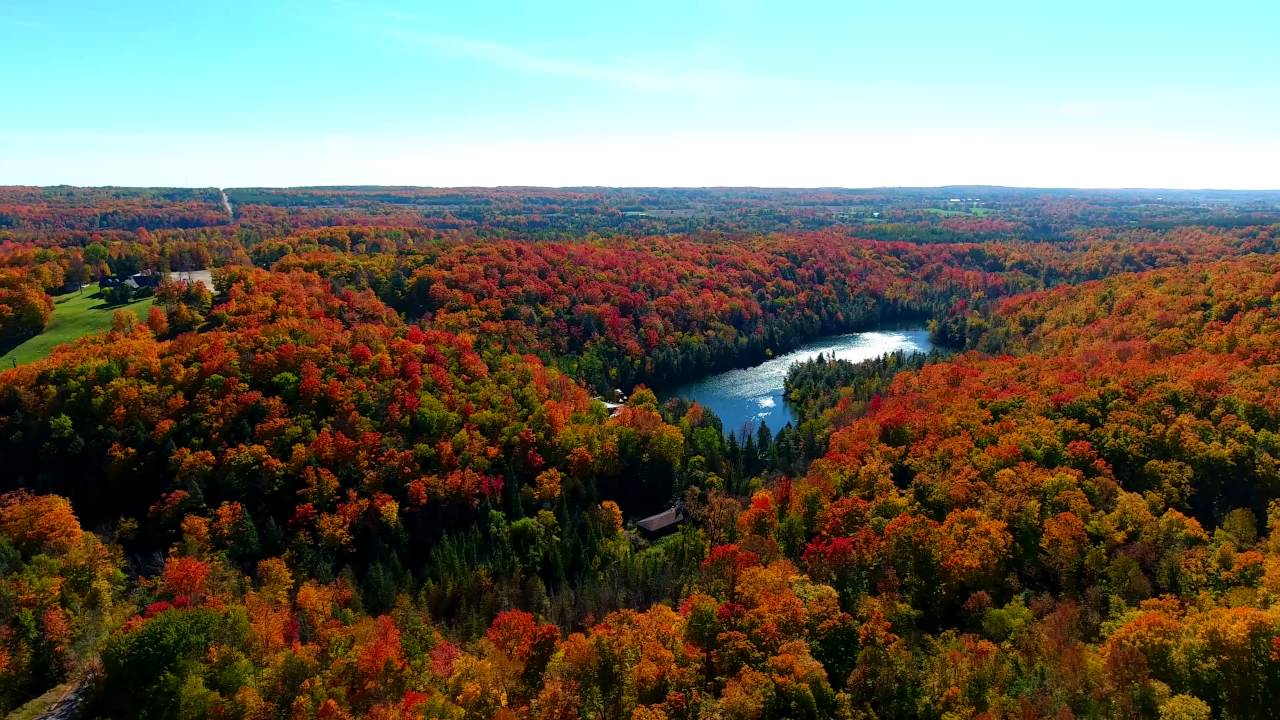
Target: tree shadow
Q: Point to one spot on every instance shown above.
(9, 344)
(108, 305)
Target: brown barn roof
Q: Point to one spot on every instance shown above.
(662, 521)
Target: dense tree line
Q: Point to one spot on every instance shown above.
(24, 307)
(662, 310)
(368, 478)
(1082, 528)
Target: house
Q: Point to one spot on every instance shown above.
(146, 278)
(662, 524)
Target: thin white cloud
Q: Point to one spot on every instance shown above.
(649, 77)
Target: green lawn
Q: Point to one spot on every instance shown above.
(974, 211)
(74, 316)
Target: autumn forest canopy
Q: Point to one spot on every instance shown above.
(382, 452)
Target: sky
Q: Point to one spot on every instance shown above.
(686, 93)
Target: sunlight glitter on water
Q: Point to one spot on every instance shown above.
(745, 396)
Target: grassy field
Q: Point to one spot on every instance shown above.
(974, 211)
(74, 316)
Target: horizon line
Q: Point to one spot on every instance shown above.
(340, 186)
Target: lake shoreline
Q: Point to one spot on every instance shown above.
(746, 397)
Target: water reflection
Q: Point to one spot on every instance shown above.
(747, 396)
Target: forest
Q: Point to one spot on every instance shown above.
(390, 462)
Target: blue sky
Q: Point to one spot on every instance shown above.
(1082, 93)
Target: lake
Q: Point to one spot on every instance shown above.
(746, 396)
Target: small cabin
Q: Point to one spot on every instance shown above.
(662, 524)
(612, 407)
